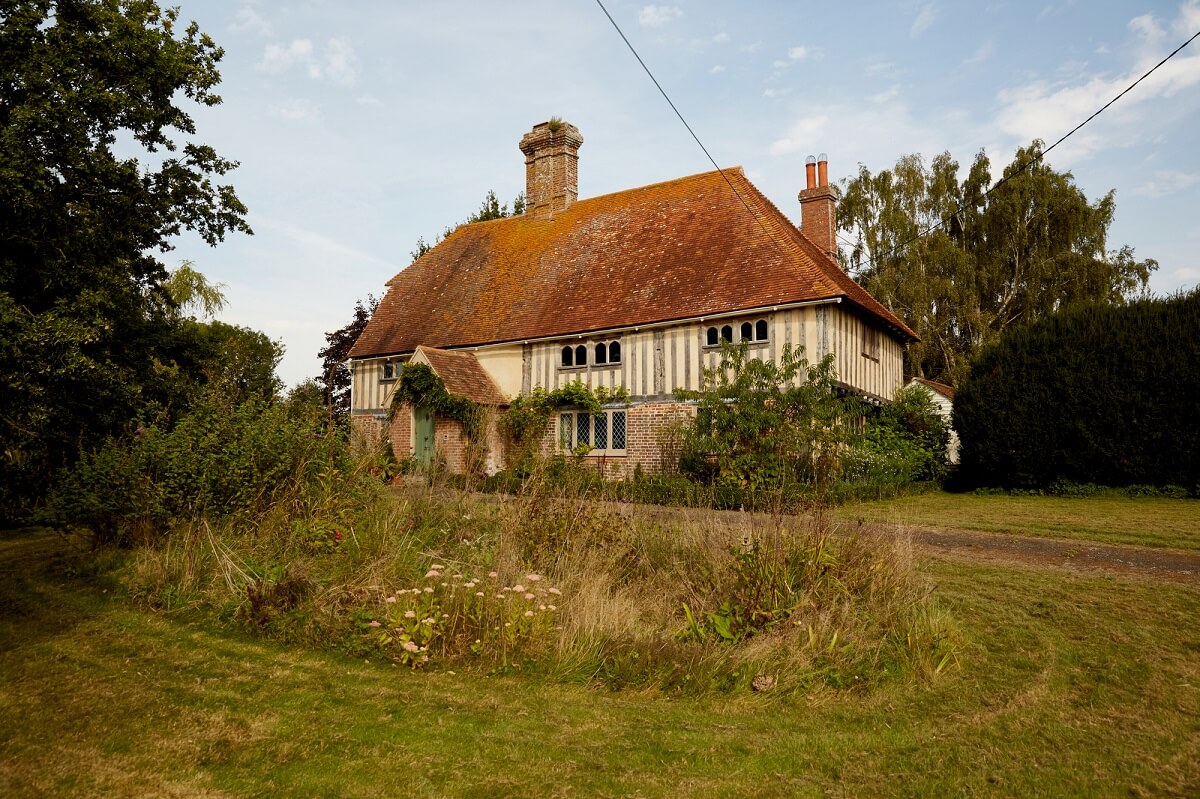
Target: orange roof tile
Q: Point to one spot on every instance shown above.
(675, 250)
(464, 376)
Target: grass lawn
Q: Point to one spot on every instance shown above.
(1145, 521)
(1066, 686)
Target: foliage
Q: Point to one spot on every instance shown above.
(335, 372)
(220, 460)
(525, 422)
(1033, 245)
(420, 387)
(489, 209)
(88, 328)
(1093, 394)
(768, 427)
(904, 442)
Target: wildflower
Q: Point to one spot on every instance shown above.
(519, 589)
(374, 623)
(533, 578)
(410, 646)
(508, 624)
(445, 585)
(445, 615)
(541, 607)
(458, 577)
(493, 575)
(390, 600)
(437, 567)
(429, 620)
(554, 591)
(500, 596)
(424, 658)
(478, 593)
(551, 607)
(529, 614)
(409, 614)
(432, 574)
(529, 596)
(428, 589)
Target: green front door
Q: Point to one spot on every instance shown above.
(423, 433)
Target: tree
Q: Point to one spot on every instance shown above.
(90, 334)
(1033, 245)
(490, 209)
(334, 379)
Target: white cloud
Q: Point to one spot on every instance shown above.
(886, 95)
(982, 53)
(336, 63)
(1167, 181)
(1189, 18)
(247, 20)
(924, 19)
(369, 100)
(278, 58)
(721, 37)
(657, 16)
(776, 92)
(297, 110)
(1047, 110)
(798, 53)
(717, 69)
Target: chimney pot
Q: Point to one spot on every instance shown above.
(818, 206)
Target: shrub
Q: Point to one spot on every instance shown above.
(1096, 393)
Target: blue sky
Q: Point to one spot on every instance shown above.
(362, 126)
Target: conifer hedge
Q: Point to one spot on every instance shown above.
(1105, 394)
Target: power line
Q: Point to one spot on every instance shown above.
(1031, 162)
(663, 92)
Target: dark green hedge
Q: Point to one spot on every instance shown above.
(1094, 394)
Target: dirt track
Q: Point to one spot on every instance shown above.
(1154, 563)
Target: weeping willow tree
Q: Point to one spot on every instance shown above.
(996, 261)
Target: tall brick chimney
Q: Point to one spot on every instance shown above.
(818, 206)
(551, 166)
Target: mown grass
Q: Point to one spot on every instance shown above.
(1065, 686)
(1142, 521)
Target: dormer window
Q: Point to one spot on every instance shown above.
(602, 353)
(752, 331)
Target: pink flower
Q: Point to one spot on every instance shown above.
(478, 593)
(554, 591)
(529, 614)
(390, 600)
(410, 646)
(437, 566)
(374, 624)
(408, 614)
(428, 589)
(519, 588)
(529, 596)
(493, 575)
(432, 574)
(533, 578)
(552, 607)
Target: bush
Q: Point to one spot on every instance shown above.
(1096, 393)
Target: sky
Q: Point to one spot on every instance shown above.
(362, 126)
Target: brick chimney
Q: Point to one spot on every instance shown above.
(818, 206)
(551, 166)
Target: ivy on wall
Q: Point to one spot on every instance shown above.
(419, 386)
(529, 414)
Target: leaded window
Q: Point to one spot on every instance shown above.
(602, 433)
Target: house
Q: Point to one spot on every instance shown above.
(943, 400)
(635, 289)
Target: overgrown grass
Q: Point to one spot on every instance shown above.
(554, 582)
(1143, 521)
(1067, 686)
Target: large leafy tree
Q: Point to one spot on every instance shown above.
(997, 260)
(97, 174)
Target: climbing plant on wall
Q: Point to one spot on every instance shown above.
(527, 417)
(420, 387)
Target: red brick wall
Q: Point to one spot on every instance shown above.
(647, 429)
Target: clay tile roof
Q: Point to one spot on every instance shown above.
(463, 376)
(675, 250)
(941, 388)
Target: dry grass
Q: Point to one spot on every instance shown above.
(1067, 686)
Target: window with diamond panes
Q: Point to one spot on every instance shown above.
(603, 432)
